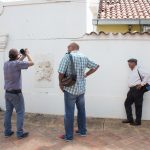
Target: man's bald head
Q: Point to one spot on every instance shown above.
(73, 46)
(13, 54)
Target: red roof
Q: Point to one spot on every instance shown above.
(124, 9)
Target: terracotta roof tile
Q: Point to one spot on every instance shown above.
(124, 9)
(129, 33)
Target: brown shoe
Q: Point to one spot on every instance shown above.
(127, 121)
(135, 123)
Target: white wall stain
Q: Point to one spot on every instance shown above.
(44, 71)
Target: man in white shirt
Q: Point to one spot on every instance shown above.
(137, 84)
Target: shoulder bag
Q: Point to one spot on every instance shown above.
(69, 79)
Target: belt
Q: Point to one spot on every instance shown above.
(14, 91)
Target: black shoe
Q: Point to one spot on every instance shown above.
(135, 124)
(24, 135)
(127, 121)
(9, 135)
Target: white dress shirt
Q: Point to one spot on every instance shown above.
(134, 78)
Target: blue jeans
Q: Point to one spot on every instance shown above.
(14, 101)
(70, 101)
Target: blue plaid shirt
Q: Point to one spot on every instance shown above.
(81, 62)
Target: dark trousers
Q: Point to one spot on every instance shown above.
(134, 96)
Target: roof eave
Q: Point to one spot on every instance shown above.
(121, 21)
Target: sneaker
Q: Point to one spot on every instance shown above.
(63, 137)
(83, 135)
(24, 135)
(9, 135)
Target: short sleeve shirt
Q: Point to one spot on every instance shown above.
(12, 74)
(81, 62)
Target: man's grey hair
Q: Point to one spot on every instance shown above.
(133, 60)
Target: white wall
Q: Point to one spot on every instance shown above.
(106, 90)
(48, 28)
(42, 21)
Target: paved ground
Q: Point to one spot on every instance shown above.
(104, 134)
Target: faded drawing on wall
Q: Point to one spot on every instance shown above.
(44, 70)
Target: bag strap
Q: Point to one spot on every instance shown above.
(73, 72)
(139, 75)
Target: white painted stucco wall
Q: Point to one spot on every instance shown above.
(48, 29)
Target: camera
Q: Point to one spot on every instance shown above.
(22, 51)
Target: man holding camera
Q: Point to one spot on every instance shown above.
(74, 63)
(13, 90)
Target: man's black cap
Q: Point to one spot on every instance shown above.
(133, 60)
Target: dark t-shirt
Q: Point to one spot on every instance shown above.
(12, 74)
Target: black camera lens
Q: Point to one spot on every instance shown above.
(22, 51)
